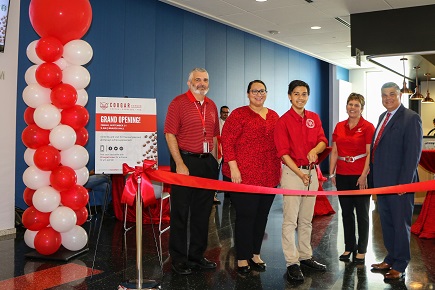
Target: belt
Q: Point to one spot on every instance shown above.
(197, 155)
(351, 159)
(307, 167)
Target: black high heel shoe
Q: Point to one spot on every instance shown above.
(260, 267)
(346, 258)
(359, 261)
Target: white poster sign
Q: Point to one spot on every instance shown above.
(125, 132)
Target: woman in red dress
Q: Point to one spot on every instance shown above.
(251, 158)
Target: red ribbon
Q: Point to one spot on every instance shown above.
(131, 184)
(199, 182)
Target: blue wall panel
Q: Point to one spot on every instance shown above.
(147, 48)
(194, 35)
(216, 60)
(236, 88)
(252, 60)
(267, 62)
(281, 80)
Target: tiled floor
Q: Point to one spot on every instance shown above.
(111, 258)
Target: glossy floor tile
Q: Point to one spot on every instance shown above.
(111, 258)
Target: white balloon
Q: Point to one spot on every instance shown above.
(28, 156)
(29, 76)
(62, 137)
(31, 53)
(77, 76)
(35, 178)
(75, 239)
(47, 116)
(46, 199)
(75, 157)
(61, 63)
(63, 219)
(82, 175)
(82, 97)
(77, 52)
(29, 238)
(35, 95)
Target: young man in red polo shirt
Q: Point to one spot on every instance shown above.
(299, 137)
(191, 130)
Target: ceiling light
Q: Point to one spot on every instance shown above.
(315, 27)
(416, 95)
(273, 32)
(261, 0)
(405, 91)
(427, 99)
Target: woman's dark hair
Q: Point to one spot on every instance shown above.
(253, 82)
(298, 83)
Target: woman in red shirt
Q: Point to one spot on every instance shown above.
(251, 158)
(348, 170)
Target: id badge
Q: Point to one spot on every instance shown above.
(205, 147)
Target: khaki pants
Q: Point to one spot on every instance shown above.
(298, 213)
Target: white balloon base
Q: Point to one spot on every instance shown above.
(146, 284)
(61, 255)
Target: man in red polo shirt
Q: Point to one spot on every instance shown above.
(299, 137)
(191, 130)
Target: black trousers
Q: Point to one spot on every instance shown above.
(252, 211)
(349, 204)
(190, 211)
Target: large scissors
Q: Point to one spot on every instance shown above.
(310, 167)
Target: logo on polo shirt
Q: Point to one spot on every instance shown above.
(310, 123)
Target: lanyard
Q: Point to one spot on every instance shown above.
(202, 117)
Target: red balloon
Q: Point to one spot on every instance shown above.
(28, 116)
(28, 195)
(63, 96)
(48, 75)
(76, 117)
(63, 19)
(82, 136)
(75, 197)
(49, 49)
(82, 215)
(63, 178)
(47, 241)
(34, 137)
(35, 220)
(46, 158)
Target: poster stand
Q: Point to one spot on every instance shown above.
(139, 282)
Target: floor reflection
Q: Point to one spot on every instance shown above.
(111, 258)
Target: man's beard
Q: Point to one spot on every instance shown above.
(199, 92)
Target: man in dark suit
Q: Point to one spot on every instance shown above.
(395, 151)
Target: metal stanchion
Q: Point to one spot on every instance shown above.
(139, 283)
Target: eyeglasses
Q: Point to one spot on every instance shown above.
(256, 92)
(223, 112)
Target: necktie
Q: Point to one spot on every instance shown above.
(380, 134)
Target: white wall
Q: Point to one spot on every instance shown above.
(8, 95)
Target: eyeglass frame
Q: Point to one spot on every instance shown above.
(261, 92)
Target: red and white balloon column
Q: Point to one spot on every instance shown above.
(56, 120)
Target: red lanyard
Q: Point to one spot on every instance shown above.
(202, 117)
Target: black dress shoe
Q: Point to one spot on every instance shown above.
(294, 273)
(358, 261)
(346, 258)
(243, 270)
(310, 263)
(260, 267)
(202, 263)
(181, 268)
